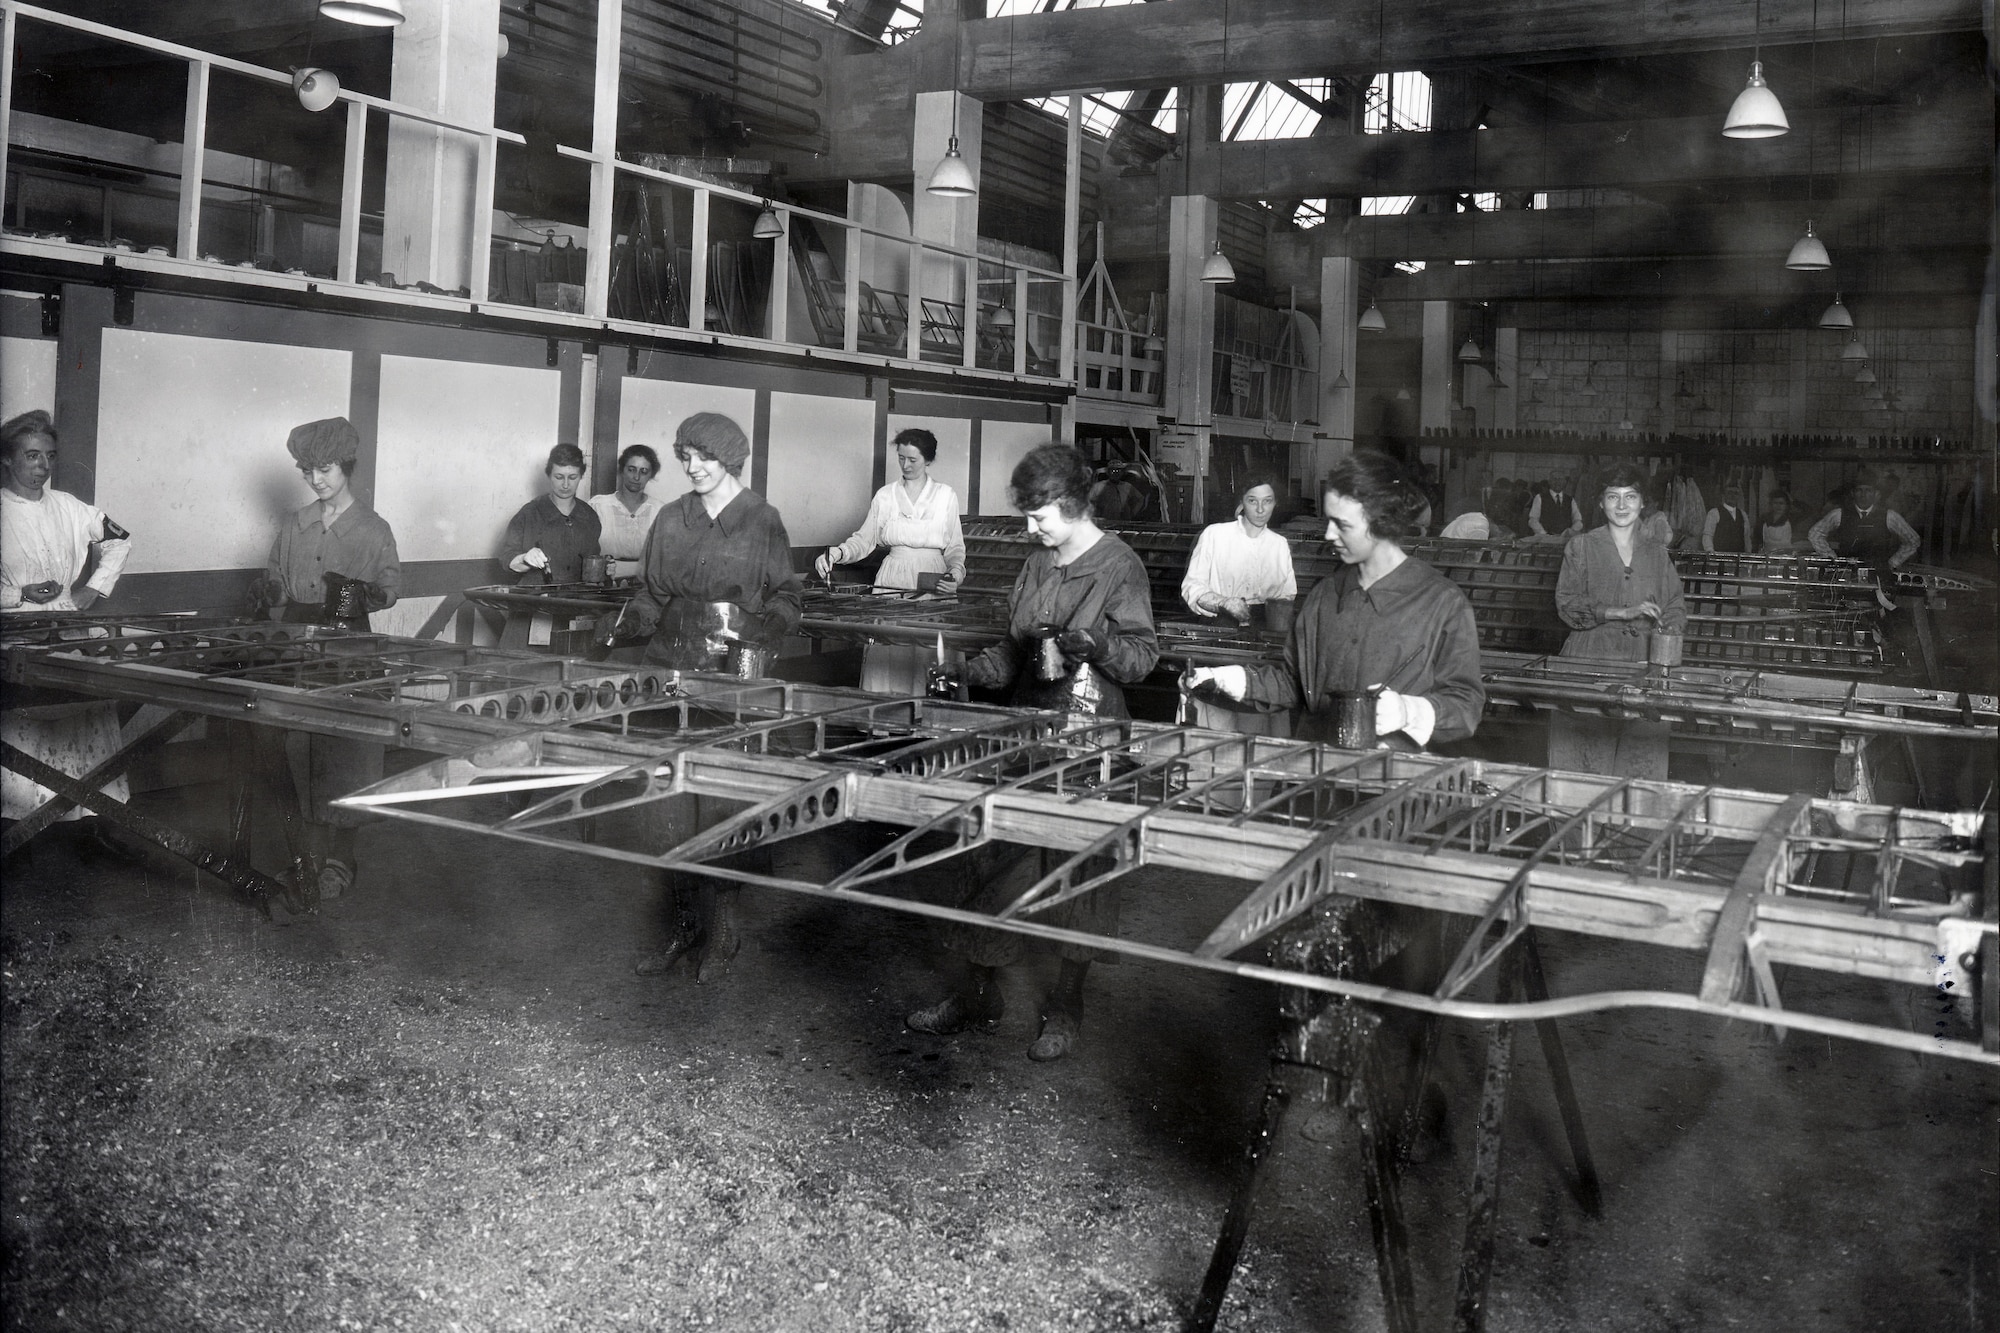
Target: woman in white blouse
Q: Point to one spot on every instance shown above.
(916, 517)
(625, 516)
(1235, 566)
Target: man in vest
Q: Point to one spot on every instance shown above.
(1728, 526)
(1865, 529)
(1554, 512)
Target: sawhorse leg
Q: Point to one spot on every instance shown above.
(151, 729)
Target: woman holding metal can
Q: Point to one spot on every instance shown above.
(1385, 633)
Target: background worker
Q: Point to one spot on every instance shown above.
(1238, 566)
(549, 537)
(625, 515)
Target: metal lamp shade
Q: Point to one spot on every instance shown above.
(1001, 318)
(1372, 320)
(368, 13)
(1864, 376)
(1808, 253)
(1756, 114)
(768, 227)
(317, 89)
(1836, 316)
(1218, 268)
(1854, 351)
(1469, 352)
(952, 178)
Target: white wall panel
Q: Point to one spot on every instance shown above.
(191, 442)
(27, 377)
(460, 447)
(1002, 444)
(650, 411)
(822, 459)
(954, 460)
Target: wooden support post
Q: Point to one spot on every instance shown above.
(1072, 219)
(479, 246)
(1236, 1223)
(354, 166)
(194, 136)
(603, 168)
(1475, 1268)
(6, 86)
(1021, 321)
(781, 277)
(851, 273)
(697, 284)
(1588, 1191)
(913, 346)
(969, 353)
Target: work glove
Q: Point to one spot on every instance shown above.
(1229, 681)
(1411, 714)
(983, 673)
(1081, 645)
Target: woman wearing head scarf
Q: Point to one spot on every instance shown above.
(1383, 621)
(333, 562)
(1236, 566)
(1085, 594)
(48, 540)
(718, 544)
(1617, 586)
(916, 517)
(553, 534)
(625, 516)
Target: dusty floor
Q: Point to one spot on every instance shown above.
(447, 1103)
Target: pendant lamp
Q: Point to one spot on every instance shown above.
(952, 179)
(1470, 351)
(768, 226)
(1854, 351)
(1001, 318)
(1808, 253)
(1218, 268)
(368, 13)
(1372, 320)
(316, 89)
(1836, 316)
(1864, 376)
(1755, 114)
(1540, 374)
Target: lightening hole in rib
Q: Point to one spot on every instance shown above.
(538, 704)
(791, 816)
(491, 708)
(607, 694)
(812, 808)
(516, 706)
(831, 802)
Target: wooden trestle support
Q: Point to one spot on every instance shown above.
(570, 755)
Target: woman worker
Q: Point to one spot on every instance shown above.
(330, 542)
(1087, 592)
(46, 540)
(1235, 566)
(625, 516)
(917, 518)
(1381, 621)
(553, 534)
(719, 543)
(1617, 586)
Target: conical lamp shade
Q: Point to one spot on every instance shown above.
(368, 13)
(1218, 268)
(1864, 376)
(1836, 316)
(1540, 374)
(1854, 351)
(1372, 320)
(1001, 318)
(952, 178)
(317, 89)
(768, 227)
(1469, 352)
(1808, 253)
(1756, 114)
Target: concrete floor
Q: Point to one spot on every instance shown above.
(1802, 1185)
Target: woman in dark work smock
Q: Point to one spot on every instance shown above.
(335, 537)
(717, 572)
(1088, 592)
(1383, 619)
(1616, 587)
(552, 535)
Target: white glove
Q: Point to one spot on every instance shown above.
(1231, 681)
(824, 565)
(532, 558)
(1411, 714)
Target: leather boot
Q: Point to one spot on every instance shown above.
(723, 940)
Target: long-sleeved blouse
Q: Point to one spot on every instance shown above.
(359, 545)
(742, 555)
(1229, 562)
(922, 534)
(1595, 579)
(1105, 591)
(1411, 631)
(566, 539)
(49, 541)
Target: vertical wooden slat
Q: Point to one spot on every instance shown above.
(913, 325)
(1020, 321)
(781, 276)
(1072, 219)
(6, 89)
(971, 350)
(603, 168)
(347, 269)
(480, 246)
(194, 133)
(697, 284)
(851, 277)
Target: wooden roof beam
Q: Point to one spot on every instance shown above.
(1172, 42)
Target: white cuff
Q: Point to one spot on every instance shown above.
(1423, 719)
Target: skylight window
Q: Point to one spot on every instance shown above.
(1399, 101)
(1253, 111)
(1000, 9)
(1101, 111)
